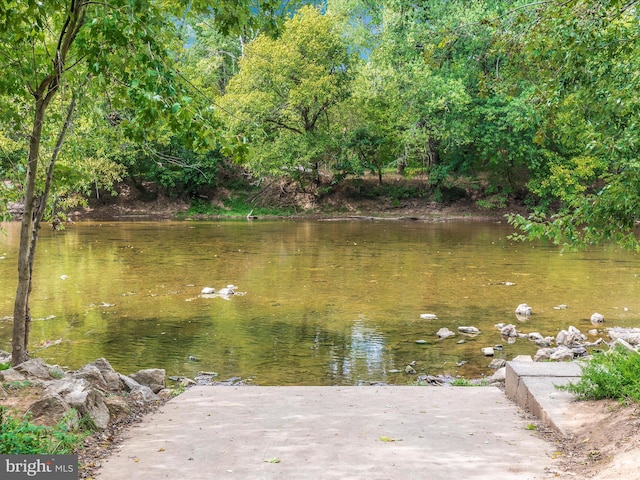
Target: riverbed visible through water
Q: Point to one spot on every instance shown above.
(319, 303)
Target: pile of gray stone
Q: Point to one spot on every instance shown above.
(571, 343)
(95, 393)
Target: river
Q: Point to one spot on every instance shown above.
(319, 303)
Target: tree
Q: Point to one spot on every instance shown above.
(57, 53)
(284, 95)
(50, 54)
(582, 57)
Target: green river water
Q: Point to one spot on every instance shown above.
(323, 302)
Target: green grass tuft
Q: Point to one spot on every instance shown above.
(18, 436)
(613, 375)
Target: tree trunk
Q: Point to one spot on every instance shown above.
(28, 235)
(33, 206)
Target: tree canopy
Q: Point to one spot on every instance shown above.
(512, 101)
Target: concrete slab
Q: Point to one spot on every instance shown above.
(533, 387)
(328, 433)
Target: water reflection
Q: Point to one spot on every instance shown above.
(326, 302)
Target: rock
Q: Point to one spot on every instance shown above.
(79, 394)
(228, 290)
(3, 393)
(497, 363)
(117, 406)
(428, 316)
(5, 357)
(208, 291)
(562, 353)
(630, 335)
(499, 376)
(623, 344)
(110, 376)
(522, 358)
(571, 336)
(560, 307)
(141, 393)
(51, 409)
(11, 375)
(579, 351)
(421, 342)
(509, 331)
(597, 319)
(34, 368)
(543, 354)
(154, 378)
(409, 370)
(488, 351)
(469, 330)
(444, 332)
(523, 310)
(593, 332)
(91, 374)
(535, 337)
(561, 337)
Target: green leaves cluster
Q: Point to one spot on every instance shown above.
(285, 95)
(582, 59)
(611, 375)
(18, 436)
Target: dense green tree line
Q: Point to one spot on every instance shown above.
(513, 100)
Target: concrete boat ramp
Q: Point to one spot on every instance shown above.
(372, 432)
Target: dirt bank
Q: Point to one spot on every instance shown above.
(361, 199)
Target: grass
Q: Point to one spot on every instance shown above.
(18, 436)
(233, 207)
(611, 375)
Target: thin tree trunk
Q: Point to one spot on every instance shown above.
(21, 312)
(33, 205)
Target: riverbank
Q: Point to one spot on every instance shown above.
(401, 198)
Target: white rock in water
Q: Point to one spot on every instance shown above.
(208, 291)
(509, 331)
(523, 309)
(429, 316)
(469, 330)
(228, 290)
(444, 332)
(488, 351)
(597, 318)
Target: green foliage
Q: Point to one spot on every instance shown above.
(614, 374)
(583, 58)
(234, 206)
(5, 366)
(18, 436)
(461, 382)
(200, 206)
(284, 97)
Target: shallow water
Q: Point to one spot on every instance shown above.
(323, 303)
